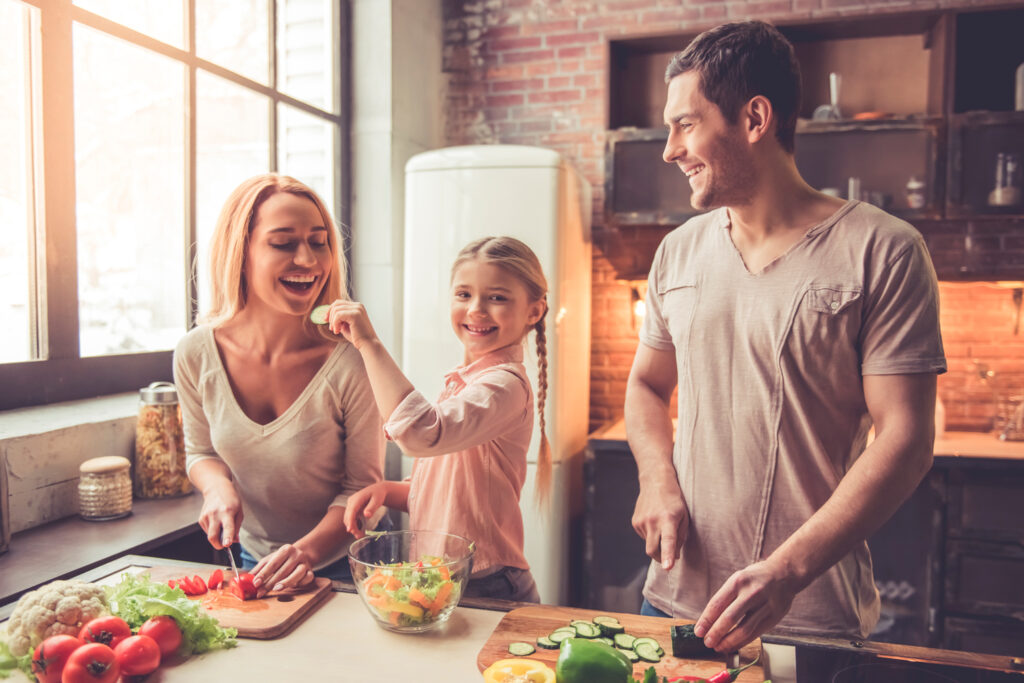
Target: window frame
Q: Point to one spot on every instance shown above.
(60, 373)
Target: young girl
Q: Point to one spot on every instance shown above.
(471, 445)
(280, 426)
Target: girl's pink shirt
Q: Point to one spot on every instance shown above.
(481, 424)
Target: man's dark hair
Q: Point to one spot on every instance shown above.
(738, 61)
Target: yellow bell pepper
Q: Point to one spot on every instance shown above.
(519, 671)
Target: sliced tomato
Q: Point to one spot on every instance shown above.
(243, 587)
(216, 579)
(172, 583)
(188, 585)
(198, 584)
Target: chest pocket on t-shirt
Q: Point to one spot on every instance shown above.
(827, 323)
(678, 302)
(832, 300)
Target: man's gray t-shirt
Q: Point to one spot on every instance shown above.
(771, 401)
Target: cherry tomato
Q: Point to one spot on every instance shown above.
(165, 631)
(137, 655)
(244, 587)
(107, 630)
(216, 579)
(91, 663)
(198, 584)
(51, 655)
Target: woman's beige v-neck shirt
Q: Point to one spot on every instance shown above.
(771, 404)
(327, 445)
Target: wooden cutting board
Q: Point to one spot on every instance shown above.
(268, 617)
(526, 624)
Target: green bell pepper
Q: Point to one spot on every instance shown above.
(586, 661)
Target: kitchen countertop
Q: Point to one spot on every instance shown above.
(340, 641)
(948, 445)
(72, 545)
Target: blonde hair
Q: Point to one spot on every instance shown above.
(228, 248)
(519, 260)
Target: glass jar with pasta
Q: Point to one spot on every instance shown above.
(160, 444)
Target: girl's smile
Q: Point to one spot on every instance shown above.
(490, 308)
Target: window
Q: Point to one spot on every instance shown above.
(126, 125)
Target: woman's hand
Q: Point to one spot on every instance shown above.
(221, 515)
(349, 319)
(362, 504)
(287, 567)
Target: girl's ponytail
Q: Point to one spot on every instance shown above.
(544, 452)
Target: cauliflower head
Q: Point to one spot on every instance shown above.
(59, 607)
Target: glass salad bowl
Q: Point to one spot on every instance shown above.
(410, 581)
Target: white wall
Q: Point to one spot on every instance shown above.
(397, 98)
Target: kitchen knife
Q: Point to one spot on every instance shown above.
(231, 556)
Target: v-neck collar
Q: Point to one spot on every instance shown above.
(296, 405)
(725, 222)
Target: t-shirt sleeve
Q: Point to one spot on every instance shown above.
(187, 364)
(901, 332)
(654, 332)
(364, 436)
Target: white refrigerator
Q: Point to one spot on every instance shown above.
(458, 194)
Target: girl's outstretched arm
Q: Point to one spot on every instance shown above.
(365, 502)
(390, 385)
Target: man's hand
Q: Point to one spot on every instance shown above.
(749, 603)
(661, 519)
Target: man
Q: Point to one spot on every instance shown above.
(790, 322)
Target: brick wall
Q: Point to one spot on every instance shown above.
(534, 72)
(984, 353)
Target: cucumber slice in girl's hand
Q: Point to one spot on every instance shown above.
(319, 314)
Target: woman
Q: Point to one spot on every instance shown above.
(280, 421)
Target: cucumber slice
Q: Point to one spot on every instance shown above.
(648, 641)
(624, 641)
(319, 314)
(546, 643)
(521, 649)
(558, 636)
(605, 640)
(647, 652)
(609, 625)
(630, 655)
(586, 629)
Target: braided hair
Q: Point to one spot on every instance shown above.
(520, 261)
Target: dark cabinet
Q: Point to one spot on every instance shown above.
(926, 98)
(985, 174)
(614, 560)
(884, 157)
(984, 581)
(949, 564)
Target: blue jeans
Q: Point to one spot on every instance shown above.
(649, 610)
(508, 583)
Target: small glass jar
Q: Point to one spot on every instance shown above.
(104, 488)
(916, 198)
(160, 444)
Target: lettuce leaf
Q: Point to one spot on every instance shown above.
(9, 663)
(137, 598)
